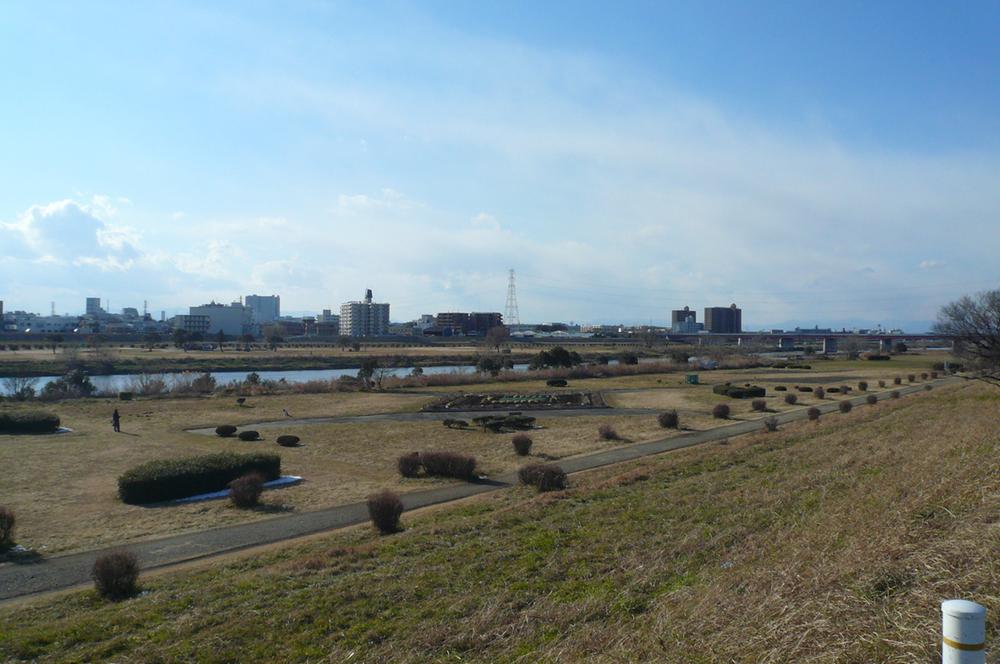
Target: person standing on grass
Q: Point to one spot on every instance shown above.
(116, 421)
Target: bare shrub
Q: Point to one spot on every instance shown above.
(791, 399)
(721, 411)
(924, 376)
(7, 522)
(385, 508)
(813, 414)
(770, 423)
(669, 419)
(759, 405)
(244, 492)
(543, 476)
(820, 393)
(845, 406)
(409, 464)
(116, 575)
(522, 444)
(871, 399)
(934, 375)
(607, 432)
(449, 464)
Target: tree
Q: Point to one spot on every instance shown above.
(55, 340)
(221, 339)
(180, 337)
(274, 335)
(973, 323)
(151, 339)
(900, 347)
(489, 365)
(344, 342)
(557, 357)
(367, 371)
(20, 388)
(496, 337)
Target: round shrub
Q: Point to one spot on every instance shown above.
(669, 419)
(607, 432)
(522, 444)
(871, 399)
(721, 411)
(409, 464)
(910, 378)
(897, 381)
(923, 376)
(770, 424)
(385, 508)
(245, 491)
(780, 388)
(845, 406)
(543, 476)
(881, 383)
(225, 431)
(862, 386)
(116, 575)
(895, 394)
(249, 435)
(556, 382)
(7, 522)
(29, 422)
(791, 399)
(288, 440)
(820, 393)
(813, 414)
(759, 405)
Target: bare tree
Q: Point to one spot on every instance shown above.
(973, 323)
(19, 388)
(496, 336)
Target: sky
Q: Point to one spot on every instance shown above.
(816, 163)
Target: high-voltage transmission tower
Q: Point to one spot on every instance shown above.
(510, 315)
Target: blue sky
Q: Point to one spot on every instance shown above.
(813, 162)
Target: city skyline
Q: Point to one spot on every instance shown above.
(843, 172)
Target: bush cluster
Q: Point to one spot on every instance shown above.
(500, 423)
(116, 575)
(7, 522)
(385, 508)
(29, 422)
(543, 476)
(744, 392)
(522, 444)
(455, 424)
(168, 479)
(245, 491)
(448, 464)
(669, 419)
(720, 411)
(225, 431)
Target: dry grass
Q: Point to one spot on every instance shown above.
(828, 543)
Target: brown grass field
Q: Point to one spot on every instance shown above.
(828, 542)
(63, 487)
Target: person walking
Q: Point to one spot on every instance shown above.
(116, 421)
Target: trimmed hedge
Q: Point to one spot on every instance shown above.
(29, 422)
(449, 464)
(745, 392)
(288, 440)
(225, 431)
(168, 479)
(248, 435)
(556, 382)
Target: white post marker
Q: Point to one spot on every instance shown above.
(963, 631)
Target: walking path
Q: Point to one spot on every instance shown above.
(48, 574)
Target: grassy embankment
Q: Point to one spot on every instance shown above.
(63, 488)
(828, 542)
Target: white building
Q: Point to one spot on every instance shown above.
(265, 308)
(232, 319)
(364, 319)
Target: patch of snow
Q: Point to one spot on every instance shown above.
(284, 480)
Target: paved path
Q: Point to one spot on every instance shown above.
(19, 580)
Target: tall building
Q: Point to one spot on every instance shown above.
(684, 321)
(94, 306)
(482, 322)
(364, 319)
(724, 320)
(264, 308)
